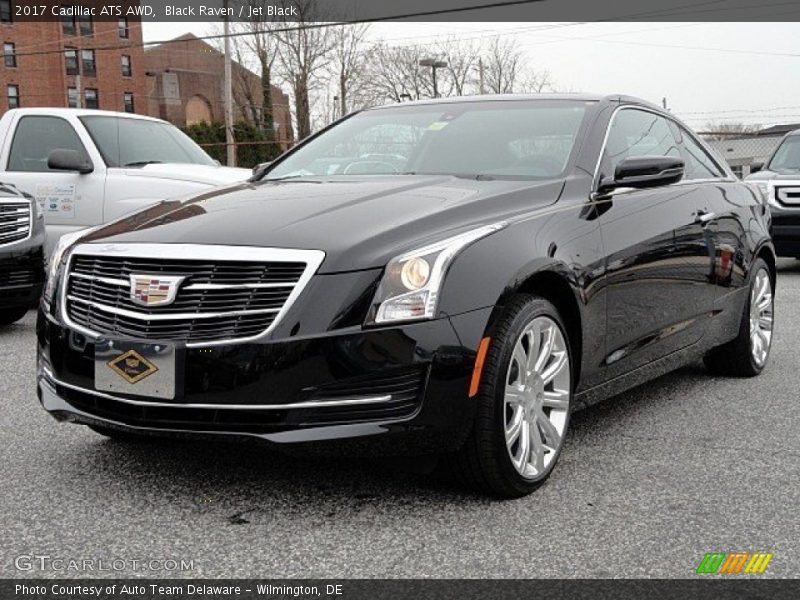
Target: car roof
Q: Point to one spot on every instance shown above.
(580, 97)
(79, 112)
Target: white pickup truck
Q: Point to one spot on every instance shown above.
(88, 167)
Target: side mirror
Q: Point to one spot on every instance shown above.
(644, 172)
(259, 170)
(62, 159)
(756, 167)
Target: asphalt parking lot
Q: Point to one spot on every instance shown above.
(649, 482)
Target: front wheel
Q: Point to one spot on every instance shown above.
(748, 353)
(523, 402)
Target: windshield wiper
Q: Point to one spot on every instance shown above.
(142, 163)
(288, 177)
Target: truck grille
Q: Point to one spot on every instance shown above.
(221, 297)
(15, 221)
(788, 195)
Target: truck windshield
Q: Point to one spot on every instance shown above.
(492, 139)
(127, 142)
(787, 157)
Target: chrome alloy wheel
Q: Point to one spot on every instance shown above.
(537, 396)
(761, 315)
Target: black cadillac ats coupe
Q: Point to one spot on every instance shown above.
(449, 277)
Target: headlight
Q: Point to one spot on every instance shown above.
(56, 262)
(411, 284)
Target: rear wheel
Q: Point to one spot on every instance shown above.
(12, 315)
(748, 353)
(523, 402)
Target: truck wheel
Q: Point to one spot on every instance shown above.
(12, 315)
(523, 402)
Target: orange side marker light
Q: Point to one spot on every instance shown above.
(483, 347)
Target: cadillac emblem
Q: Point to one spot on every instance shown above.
(132, 366)
(155, 290)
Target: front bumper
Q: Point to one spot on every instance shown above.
(21, 272)
(402, 389)
(786, 231)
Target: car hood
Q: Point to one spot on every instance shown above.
(773, 176)
(359, 222)
(203, 174)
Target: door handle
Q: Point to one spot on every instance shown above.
(704, 217)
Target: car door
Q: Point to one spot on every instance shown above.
(730, 204)
(69, 200)
(659, 250)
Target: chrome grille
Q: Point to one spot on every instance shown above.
(788, 195)
(228, 292)
(15, 221)
(12, 278)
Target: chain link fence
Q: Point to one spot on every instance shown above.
(742, 150)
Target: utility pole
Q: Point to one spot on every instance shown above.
(433, 64)
(228, 96)
(481, 87)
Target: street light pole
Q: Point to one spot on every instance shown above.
(433, 64)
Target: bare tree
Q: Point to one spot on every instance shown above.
(304, 53)
(502, 66)
(721, 131)
(535, 82)
(397, 75)
(348, 65)
(462, 63)
(261, 42)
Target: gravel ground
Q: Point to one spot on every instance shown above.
(649, 482)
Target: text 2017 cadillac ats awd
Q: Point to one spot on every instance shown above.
(450, 277)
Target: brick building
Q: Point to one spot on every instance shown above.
(75, 73)
(186, 86)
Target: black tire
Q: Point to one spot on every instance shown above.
(12, 315)
(483, 463)
(117, 435)
(735, 359)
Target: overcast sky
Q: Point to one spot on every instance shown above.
(723, 72)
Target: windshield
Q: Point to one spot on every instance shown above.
(503, 139)
(144, 142)
(787, 156)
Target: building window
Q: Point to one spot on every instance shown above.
(86, 25)
(128, 99)
(9, 54)
(71, 60)
(72, 97)
(68, 24)
(89, 66)
(91, 98)
(13, 96)
(5, 11)
(122, 27)
(126, 65)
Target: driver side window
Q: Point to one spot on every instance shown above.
(635, 132)
(36, 137)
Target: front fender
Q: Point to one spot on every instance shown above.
(559, 241)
